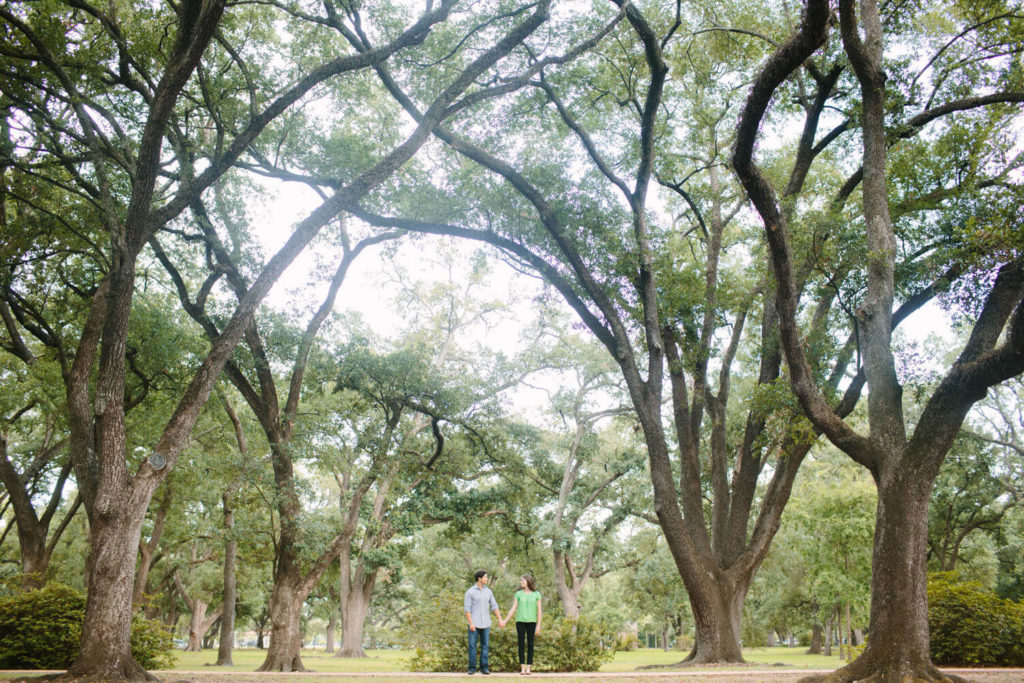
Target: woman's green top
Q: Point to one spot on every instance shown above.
(527, 609)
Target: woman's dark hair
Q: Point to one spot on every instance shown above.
(529, 582)
(480, 573)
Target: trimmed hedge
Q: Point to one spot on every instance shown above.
(41, 629)
(971, 625)
(437, 631)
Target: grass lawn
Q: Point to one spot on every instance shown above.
(247, 659)
(793, 658)
(397, 660)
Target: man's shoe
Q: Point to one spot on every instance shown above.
(471, 672)
(486, 672)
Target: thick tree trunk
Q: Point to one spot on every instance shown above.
(718, 612)
(897, 650)
(772, 638)
(817, 635)
(284, 653)
(34, 562)
(105, 652)
(353, 621)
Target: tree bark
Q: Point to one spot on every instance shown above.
(147, 550)
(848, 632)
(353, 622)
(817, 634)
(898, 649)
(717, 615)
(227, 627)
(33, 529)
(332, 624)
(285, 651)
(196, 625)
(105, 652)
(568, 595)
(199, 624)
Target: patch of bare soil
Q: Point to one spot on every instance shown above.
(708, 675)
(711, 676)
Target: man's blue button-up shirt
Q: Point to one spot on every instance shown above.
(480, 602)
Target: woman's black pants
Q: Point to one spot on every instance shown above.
(526, 631)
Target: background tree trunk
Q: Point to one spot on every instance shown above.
(354, 608)
(227, 627)
(147, 550)
(199, 624)
(569, 597)
(817, 634)
(332, 624)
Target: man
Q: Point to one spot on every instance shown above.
(479, 600)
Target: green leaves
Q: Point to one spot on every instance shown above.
(971, 626)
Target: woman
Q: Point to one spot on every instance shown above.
(527, 600)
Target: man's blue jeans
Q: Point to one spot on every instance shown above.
(484, 635)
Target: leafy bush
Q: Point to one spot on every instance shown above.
(41, 629)
(437, 631)
(626, 642)
(970, 625)
(151, 643)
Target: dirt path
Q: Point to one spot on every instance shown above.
(725, 676)
(712, 676)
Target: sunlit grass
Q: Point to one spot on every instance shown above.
(767, 656)
(246, 659)
(378, 661)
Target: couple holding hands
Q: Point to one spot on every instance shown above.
(479, 602)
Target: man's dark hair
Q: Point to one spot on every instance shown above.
(480, 573)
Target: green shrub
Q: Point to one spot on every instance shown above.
(151, 643)
(970, 625)
(41, 629)
(626, 642)
(437, 631)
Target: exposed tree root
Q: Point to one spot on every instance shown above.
(130, 671)
(692, 661)
(283, 664)
(875, 670)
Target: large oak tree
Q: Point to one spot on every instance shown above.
(903, 458)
